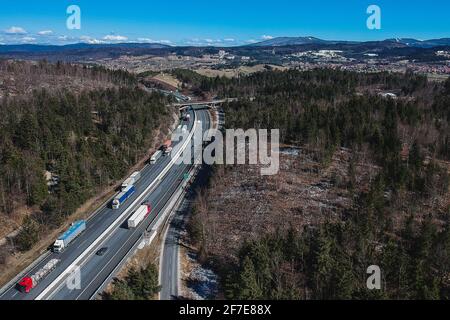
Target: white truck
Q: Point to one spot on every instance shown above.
(141, 213)
(155, 157)
(67, 237)
(131, 180)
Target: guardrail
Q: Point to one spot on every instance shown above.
(118, 221)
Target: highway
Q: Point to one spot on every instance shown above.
(95, 269)
(170, 253)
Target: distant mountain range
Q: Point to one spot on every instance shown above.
(296, 41)
(293, 41)
(275, 42)
(404, 48)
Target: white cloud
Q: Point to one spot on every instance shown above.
(15, 30)
(192, 42)
(63, 38)
(267, 37)
(91, 40)
(45, 32)
(115, 38)
(251, 41)
(146, 40)
(212, 41)
(28, 39)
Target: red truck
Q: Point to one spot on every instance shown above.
(28, 283)
(167, 147)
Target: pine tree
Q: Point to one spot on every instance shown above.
(121, 291)
(249, 288)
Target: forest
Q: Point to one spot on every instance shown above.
(59, 148)
(392, 224)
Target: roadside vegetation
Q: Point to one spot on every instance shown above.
(137, 285)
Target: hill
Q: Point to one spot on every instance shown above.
(402, 42)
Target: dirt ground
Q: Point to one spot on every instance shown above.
(241, 204)
(168, 79)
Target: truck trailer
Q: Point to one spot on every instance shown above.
(131, 180)
(67, 237)
(141, 213)
(29, 282)
(123, 196)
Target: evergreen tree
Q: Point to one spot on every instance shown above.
(249, 288)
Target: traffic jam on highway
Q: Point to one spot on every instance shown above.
(127, 189)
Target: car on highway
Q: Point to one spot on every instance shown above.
(102, 251)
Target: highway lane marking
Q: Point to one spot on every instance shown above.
(81, 244)
(106, 232)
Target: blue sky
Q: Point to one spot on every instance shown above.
(227, 22)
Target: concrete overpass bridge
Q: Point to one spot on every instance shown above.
(199, 104)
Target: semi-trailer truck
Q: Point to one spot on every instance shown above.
(155, 157)
(29, 282)
(141, 213)
(123, 196)
(131, 180)
(67, 237)
(167, 147)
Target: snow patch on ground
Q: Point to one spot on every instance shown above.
(290, 151)
(202, 283)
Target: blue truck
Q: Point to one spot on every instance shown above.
(123, 196)
(67, 237)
